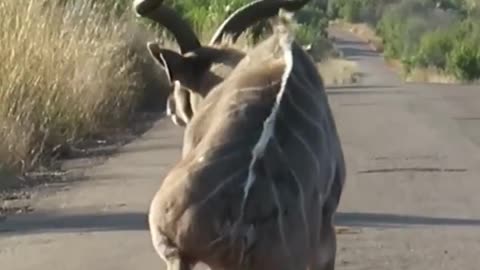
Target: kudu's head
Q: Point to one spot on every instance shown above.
(197, 68)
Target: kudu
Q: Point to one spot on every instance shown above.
(197, 68)
(262, 170)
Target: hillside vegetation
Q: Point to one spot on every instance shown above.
(73, 69)
(439, 35)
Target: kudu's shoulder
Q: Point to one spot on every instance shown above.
(243, 101)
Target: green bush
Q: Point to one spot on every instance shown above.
(464, 60)
(434, 49)
(453, 49)
(351, 11)
(369, 11)
(313, 24)
(443, 34)
(206, 15)
(345, 9)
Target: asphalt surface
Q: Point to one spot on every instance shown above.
(411, 199)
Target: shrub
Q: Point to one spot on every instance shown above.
(452, 49)
(433, 34)
(434, 49)
(402, 37)
(205, 15)
(312, 30)
(368, 11)
(464, 60)
(351, 11)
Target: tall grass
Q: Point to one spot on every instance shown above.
(66, 72)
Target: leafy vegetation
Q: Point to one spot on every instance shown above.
(206, 15)
(313, 23)
(438, 34)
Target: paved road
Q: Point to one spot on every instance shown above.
(411, 201)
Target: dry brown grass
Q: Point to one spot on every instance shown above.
(66, 73)
(431, 75)
(337, 71)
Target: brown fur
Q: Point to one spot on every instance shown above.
(185, 100)
(208, 209)
(194, 217)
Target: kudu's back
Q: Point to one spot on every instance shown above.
(261, 157)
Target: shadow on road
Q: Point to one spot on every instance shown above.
(151, 147)
(359, 86)
(351, 53)
(377, 220)
(38, 223)
(364, 92)
(137, 221)
(343, 41)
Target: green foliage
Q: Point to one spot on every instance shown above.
(369, 11)
(313, 23)
(206, 15)
(351, 12)
(345, 9)
(432, 37)
(435, 48)
(443, 34)
(464, 60)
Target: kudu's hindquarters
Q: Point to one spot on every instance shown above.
(167, 251)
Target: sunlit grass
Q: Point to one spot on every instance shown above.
(338, 71)
(66, 72)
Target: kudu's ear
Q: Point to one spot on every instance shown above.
(159, 57)
(185, 68)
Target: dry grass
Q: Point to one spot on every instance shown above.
(337, 71)
(431, 75)
(66, 72)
